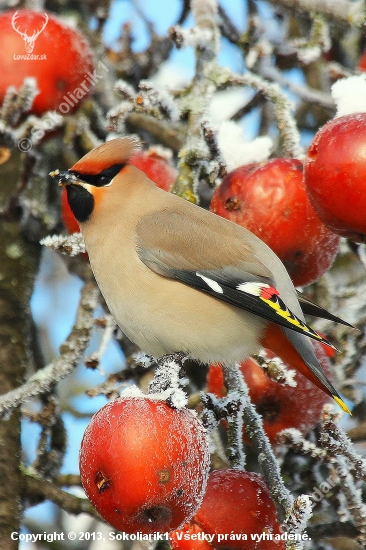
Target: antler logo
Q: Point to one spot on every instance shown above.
(29, 40)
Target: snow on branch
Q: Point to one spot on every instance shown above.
(290, 135)
(70, 354)
(236, 151)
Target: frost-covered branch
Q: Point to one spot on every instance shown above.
(153, 109)
(168, 134)
(70, 354)
(295, 514)
(295, 439)
(337, 448)
(336, 442)
(156, 102)
(344, 11)
(304, 92)
(353, 495)
(276, 369)
(283, 108)
(194, 154)
(167, 382)
(70, 245)
(16, 102)
(254, 428)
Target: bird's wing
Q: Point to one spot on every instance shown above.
(214, 259)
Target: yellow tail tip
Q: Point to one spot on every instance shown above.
(342, 404)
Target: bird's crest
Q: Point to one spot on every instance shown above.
(115, 151)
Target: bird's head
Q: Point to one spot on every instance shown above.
(87, 181)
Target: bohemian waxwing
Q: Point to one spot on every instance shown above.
(179, 278)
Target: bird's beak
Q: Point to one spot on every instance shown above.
(66, 178)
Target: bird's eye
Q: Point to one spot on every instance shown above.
(103, 178)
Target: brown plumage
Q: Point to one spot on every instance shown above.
(179, 278)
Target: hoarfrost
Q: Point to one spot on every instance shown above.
(70, 245)
(133, 391)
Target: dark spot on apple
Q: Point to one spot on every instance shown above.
(102, 482)
(156, 514)
(117, 511)
(164, 476)
(298, 254)
(269, 409)
(60, 84)
(233, 203)
(179, 492)
(300, 167)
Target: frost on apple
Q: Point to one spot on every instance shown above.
(150, 460)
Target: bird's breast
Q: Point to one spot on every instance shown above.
(162, 315)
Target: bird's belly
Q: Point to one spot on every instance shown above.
(163, 316)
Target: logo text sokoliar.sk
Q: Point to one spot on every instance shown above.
(29, 41)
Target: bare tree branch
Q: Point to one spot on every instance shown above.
(70, 353)
(37, 490)
(351, 13)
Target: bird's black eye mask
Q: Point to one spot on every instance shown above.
(103, 178)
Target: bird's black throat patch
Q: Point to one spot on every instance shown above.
(81, 202)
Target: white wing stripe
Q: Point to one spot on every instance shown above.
(212, 284)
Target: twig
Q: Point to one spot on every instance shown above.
(337, 443)
(109, 325)
(167, 382)
(304, 92)
(204, 36)
(294, 514)
(40, 489)
(159, 129)
(354, 499)
(70, 353)
(283, 108)
(358, 433)
(254, 427)
(343, 11)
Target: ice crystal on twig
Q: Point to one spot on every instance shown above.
(70, 245)
(167, 382)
